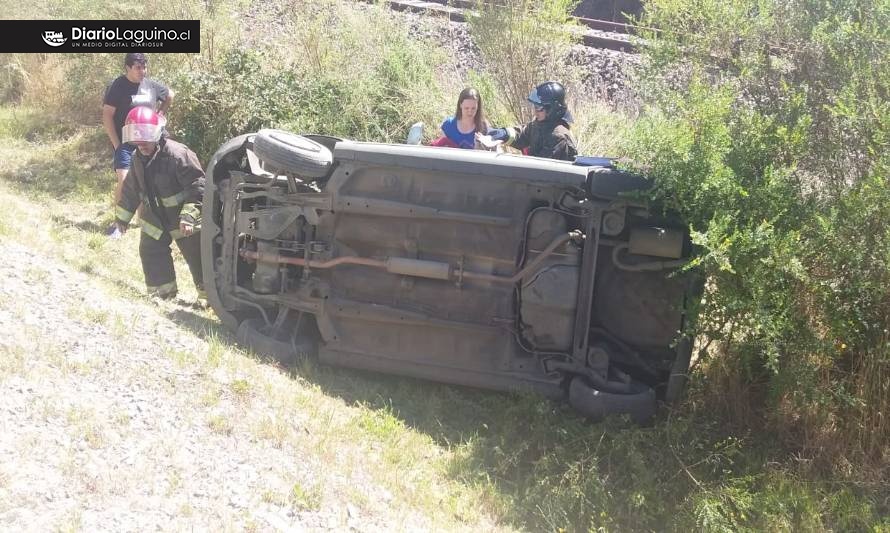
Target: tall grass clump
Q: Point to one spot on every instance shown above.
(332, 70)
(386, 77)
(767, 127)
(524, 43)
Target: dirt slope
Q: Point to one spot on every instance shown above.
(115, 415)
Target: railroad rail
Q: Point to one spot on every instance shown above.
(597, 33)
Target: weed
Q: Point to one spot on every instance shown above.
(211, 396)
(174, 481)
(120, 328)
(121, 419)
(179, 356)
(382, 424)
(186, 510)
(306, 498)
(87, 265)
(220, 424)
(71, 522)
(84, 426)
(274, 497)
(216, 349)
(37, 275)
(250, 525)
(274, 428)
(524, 43)
(357, 497)
(241, 388)
(12, 360)
(93, 315)
(96, 242)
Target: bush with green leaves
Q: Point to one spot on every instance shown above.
(326, 75)
(524, 43)
(767, 129)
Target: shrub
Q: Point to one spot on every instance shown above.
(327, 74)
(767, 129)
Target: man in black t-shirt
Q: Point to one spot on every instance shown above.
(126, 92)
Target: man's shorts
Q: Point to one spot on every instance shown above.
(123, 156)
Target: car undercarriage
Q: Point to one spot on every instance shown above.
(490, 270)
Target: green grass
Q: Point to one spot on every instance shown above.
(71, 522)
(220, 424)
(305, 497)
(182, 358)
(12, 361)
(68, 165)
(83, 424)
(240, 389)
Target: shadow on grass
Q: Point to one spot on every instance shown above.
(202, 326)
(88, 226)
(523, 449)
(449, 414)
(62, 168)
(526, 451)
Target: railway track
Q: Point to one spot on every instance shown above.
(595, 33)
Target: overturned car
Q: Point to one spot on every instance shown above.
(475, 268)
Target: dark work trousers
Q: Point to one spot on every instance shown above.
(157, 262)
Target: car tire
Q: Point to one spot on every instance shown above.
(596, 404)
(251, 334)
(288, 153)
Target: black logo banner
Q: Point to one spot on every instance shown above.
(86, 36)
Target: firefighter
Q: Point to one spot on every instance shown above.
(167, 179)
(548, 135)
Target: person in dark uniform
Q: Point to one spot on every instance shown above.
(167, 180)
(549, 134)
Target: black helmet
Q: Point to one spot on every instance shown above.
(550, 95)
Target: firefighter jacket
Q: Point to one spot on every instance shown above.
(169, 185)
(544, 139)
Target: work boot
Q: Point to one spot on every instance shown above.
(164, 292)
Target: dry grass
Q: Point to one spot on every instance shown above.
(242, 396)
(599, 128)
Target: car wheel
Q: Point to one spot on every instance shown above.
(251, 333)
(595, 404)
(285, 152)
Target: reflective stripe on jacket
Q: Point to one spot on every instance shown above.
(169, 184)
